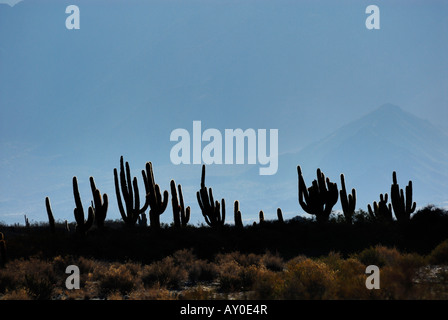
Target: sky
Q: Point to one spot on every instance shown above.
(72, 101)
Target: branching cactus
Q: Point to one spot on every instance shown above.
(403, 208)
(280, 215)
(158, 206)
(381, 210)
(320, 198)
(131, 211)
(181, 215)
(100, 204)
(213, 212)
(348, 203)
(82, 225)
(237, 214)
(50, 215)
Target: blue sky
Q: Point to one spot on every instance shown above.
(73, 101)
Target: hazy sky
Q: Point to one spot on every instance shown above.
(73, 101)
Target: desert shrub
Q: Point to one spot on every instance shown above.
(164, 273)
(350, 281)
(202, 270)
(228, 275)
(439, 255)
(238, 278)
(308, 279)
(117, 278)
(184, 257)
(333, 260)
(370, 256)
(36, 276)
(17, 294)
(269, 286)
(272, 262)
(9, 278)
(40, 288)
(238, 257)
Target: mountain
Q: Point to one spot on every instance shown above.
(369, 149)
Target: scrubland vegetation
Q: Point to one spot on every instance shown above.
(295, 259)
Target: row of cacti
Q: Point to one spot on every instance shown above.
(320, 198)
(131, 210)
(401, 204)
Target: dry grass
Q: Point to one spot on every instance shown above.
(232, 275)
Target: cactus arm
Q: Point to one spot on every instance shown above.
(280, 215)
(184, 212)
(118, 194)
(100, 204)
(156, 202)
(50, 215)
(175, 204)
(348, 202)
(223, 211)
(402, 206)
(213, 211)
(130, 191)
(237, 215)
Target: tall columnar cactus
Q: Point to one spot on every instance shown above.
(213, 212)
(3, 257)
(50, 215)
(181, 215)
(261, 216)
(348, 203)
(403, 208)
(237, 215)
(131, 196)
(100, 204)
(82, 225)
(320, 198)
(27, 221)
(280, 215)
(157, 205)
(381, 210)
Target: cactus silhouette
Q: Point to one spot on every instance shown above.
(100, 204)
(318, 199)
(381, 210)
(82, 226)
(280, 215)
(27, 222)
(403, 208)
(214, 213)
(348, 203)
(237, 215)
(129, 188)
(181, 215)
(142, 220)
(158, 206)
(50, 215)
(261, 216)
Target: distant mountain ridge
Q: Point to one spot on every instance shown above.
(369, 149)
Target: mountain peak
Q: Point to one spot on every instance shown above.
(389, 107)
(387, 139)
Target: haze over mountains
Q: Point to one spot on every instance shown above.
(73, 101)
(369, 149)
